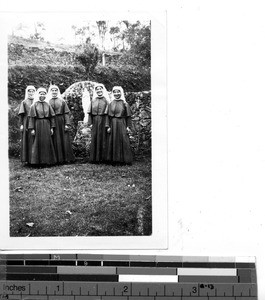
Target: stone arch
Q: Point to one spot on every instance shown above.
(78, 96)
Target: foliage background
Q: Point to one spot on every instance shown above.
(125, 60)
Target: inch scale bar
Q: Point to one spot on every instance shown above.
(121, 291)
(125, 277)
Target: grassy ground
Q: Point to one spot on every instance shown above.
(80, 199)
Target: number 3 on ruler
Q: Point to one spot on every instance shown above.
(194, 289)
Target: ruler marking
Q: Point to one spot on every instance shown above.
(22, 287)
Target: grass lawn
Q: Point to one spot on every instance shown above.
(80, 199)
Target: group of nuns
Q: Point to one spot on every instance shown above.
(45, 123)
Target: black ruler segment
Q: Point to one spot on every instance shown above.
(98, 278)
(62, 262)
(31, 277)
(142, 264)
(245, 265)
(169, 264)
(15, 262)
(37, 262)
(125, 277)
(116, 263)
(26, 269)
(59, 277)
(88, 263)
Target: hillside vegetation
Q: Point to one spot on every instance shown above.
(39, 63)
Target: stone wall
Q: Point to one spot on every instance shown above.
(19, 54)
(140, 103)
(140, 137)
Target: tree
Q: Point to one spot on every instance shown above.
(39, 28)
(82, 33)
(114, 31)
(123, 32)
(138, 37)
(89, 57)
(102, 29)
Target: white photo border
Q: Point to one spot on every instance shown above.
(159, 237)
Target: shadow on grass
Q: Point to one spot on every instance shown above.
(81, 199)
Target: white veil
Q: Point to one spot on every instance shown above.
(36, 96)
(29, 87)
(105, 92)
(122, 94)
(49, 94)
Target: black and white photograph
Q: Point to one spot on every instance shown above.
(81, 139)
(187, 181)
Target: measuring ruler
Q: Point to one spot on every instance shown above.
(125, 277)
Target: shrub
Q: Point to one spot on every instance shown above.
(14, 133)
(129, 77)
(19, 77)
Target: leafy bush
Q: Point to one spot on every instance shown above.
(129, 77)
(14, 133)
(88, 58)
(19, 77)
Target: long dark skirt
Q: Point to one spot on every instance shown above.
(42, 149)
(119, 149)
(61, 141)
(26, 142)
(99, 139)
